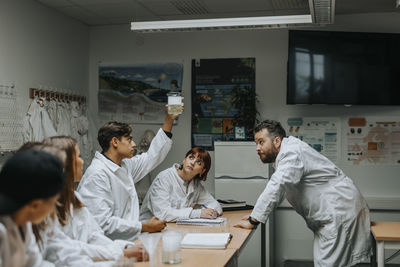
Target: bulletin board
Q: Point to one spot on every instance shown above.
(214, 83)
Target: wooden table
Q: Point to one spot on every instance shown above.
(386, 236)
(209, 257)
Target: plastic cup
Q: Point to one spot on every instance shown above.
(171, 244)
(150, 242)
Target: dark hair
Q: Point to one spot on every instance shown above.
(112, 129)
(37, 229)
(30, 174)
(67, 197)
(274, 128)
(205, 157)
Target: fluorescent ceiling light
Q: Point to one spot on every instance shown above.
(227, 23)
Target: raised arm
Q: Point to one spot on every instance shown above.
(141, 165)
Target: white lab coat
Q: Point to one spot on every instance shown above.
(61, 250)
(170, 198)
(108, 190)
(64, 117)
(325, 197)
(37, 123)
(51, 107)
(81, 226)
(16, 251)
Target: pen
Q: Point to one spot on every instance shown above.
(205, 207)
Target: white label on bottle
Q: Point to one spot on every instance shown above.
(174, 100)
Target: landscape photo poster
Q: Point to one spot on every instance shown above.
(137, 93)
(216, 85)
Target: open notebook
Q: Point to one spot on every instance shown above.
(212, 222)
(206, 240)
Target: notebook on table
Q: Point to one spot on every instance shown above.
(200, 221)
(206, 240)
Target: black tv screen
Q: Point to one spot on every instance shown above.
(343, 68)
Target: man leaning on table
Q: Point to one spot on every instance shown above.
(108, 185)
(319, 191)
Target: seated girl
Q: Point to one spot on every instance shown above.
(176, 191)
(74, 218)
(30, 183)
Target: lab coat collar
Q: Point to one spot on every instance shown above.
(284, 143)
(109, 163)
(10, 224)
(7, 221)
(189, 185)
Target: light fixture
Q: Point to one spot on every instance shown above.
(397, 3)
(225, 23)
(322, 11)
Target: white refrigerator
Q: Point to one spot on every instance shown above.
(240, 175)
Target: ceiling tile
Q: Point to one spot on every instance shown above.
(290, 4)
(79, 13)
(56, 3)
(229, 6)
(120, 11)
(99, 2)
(160, 8)
(103, 12)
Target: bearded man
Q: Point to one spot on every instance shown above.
(319, 191)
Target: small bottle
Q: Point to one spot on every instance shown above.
(174, 103)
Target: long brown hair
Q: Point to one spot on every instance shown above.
(67, 196)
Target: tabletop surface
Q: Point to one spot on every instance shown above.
(386, 231)
(207, 257)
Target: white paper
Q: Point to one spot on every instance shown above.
(206, 240)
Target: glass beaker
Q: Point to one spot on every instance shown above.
(174, 103)
(171, 247)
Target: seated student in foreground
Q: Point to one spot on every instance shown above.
(74, 218)
(56, 247)
(30, 183)
(176, 190)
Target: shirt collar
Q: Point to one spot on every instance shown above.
(189, 186)
(108, 162)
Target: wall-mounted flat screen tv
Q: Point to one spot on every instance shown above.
(346, 68)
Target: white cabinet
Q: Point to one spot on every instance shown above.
(238, 160)
(240, 175)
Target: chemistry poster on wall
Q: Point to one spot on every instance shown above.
(216, 85)
(372, 141)
(137, 93)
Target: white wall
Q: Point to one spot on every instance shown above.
(117, 44)
(39, 46)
